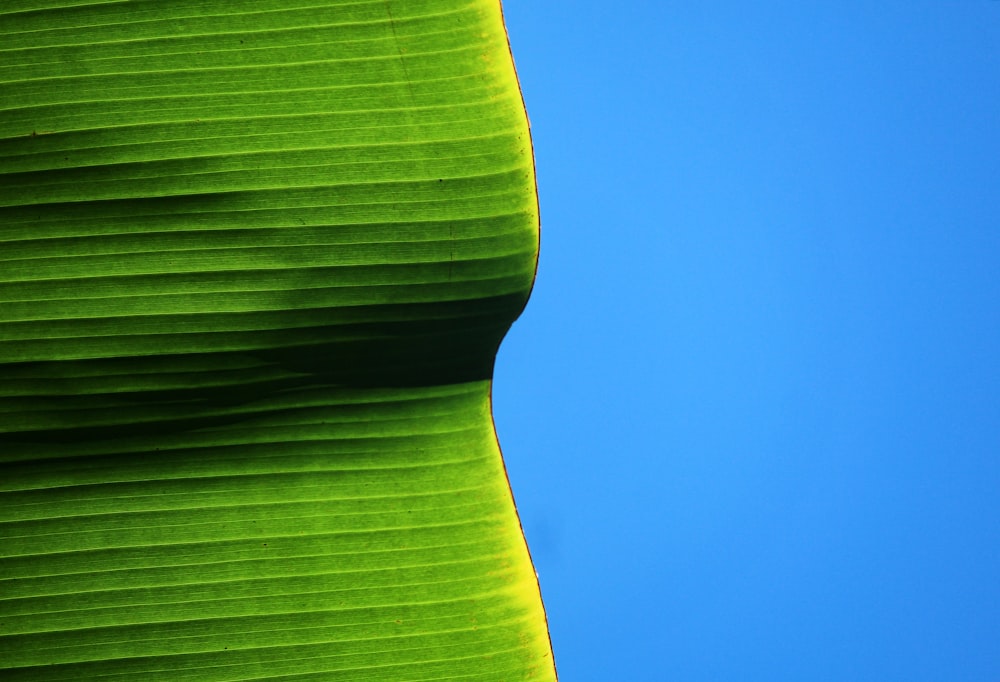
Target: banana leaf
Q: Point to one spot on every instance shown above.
(256, 259)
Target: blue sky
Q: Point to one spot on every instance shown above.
(751, 415)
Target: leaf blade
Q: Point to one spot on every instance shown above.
(252, 298)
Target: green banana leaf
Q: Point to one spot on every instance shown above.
(256, 258)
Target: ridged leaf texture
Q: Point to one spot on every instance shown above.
(256, 258)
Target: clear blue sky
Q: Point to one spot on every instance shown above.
(752, 413)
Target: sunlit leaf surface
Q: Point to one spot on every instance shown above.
(256, 258)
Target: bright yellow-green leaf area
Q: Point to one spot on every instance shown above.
(256, 257)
